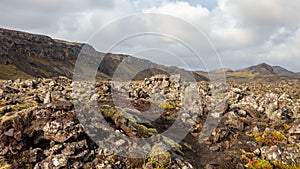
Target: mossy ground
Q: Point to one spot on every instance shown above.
(12, 72)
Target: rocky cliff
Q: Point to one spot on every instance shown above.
(24, 55)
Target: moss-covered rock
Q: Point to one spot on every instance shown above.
(158, 158)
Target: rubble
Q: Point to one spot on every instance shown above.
(41, 128)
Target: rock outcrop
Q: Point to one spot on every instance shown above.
(40, 127)
(24, 55)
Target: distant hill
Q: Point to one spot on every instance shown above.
(25, 55)
(223, 70)
(265, 70)
(260, 71)
(280, 71)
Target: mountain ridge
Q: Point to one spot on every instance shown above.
(26, 55)
(261, 68)
(264, 69)
(259, 71)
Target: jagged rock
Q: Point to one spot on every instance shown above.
(61, 131)
(272, 153)
(60, 105)
(295, 129)
(232, 120)
(261, 119)
(214, 148)
(181, 164)
(210, 166)
(290, 156)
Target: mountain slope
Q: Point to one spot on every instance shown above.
(36, 55)
(260, 69)
(25, 55)
(264, 70)
(280, 71)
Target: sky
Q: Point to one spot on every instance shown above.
(241, 32)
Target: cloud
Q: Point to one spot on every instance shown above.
(257, 32)
(48, 17)
(243, 32)
(265, 13)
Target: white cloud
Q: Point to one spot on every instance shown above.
(286, 49)
(244, 32)
(182, 10)
(262, 13)
(196, 15)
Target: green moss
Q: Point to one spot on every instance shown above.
(259, 164)
(143, 130)
(269, 137)
(175, 146)
(247, 154)
(12, 72)
(153, 164)
(276, 135)
(113, 115)
(159, 158)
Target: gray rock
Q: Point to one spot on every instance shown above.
(272, 153)
(214, 148)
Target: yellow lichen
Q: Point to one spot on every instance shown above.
(259, 164)
(286, 126)
(243, 118)
(244, 158)
(280, 165)
(269, 137)
(167, 106)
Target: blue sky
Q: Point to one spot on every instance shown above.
(209, 4)
(244, 33)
